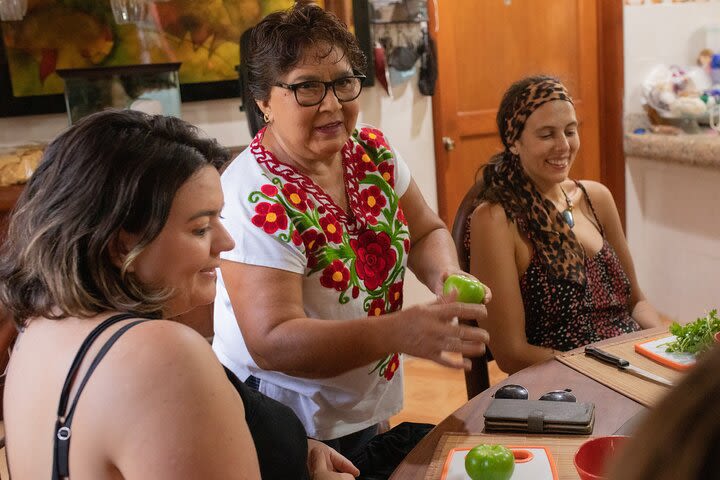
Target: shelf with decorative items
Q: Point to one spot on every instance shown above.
(151, 88)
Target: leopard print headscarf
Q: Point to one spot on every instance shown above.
(554, 242)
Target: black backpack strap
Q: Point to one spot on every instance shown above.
(63, 424)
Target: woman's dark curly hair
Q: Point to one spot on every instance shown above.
(279, 42)
(114, 170)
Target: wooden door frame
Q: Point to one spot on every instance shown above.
(611, 82)
(610, 112)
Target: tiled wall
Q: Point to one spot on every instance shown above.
(669, 33)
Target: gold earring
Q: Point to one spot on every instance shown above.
(266, 117)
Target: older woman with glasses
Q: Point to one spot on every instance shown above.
(308, 309)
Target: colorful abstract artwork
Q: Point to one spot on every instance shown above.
(203, 35)
(60, 34)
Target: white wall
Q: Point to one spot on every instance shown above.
(672, 229)
(406, 120)
(676, 236)
(665, 33)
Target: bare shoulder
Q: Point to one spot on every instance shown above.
(167, 337)
(601, 198)
(490, 215)
(164, 385)
(598, 192)
(158, 351)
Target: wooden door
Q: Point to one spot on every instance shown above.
(485, 45)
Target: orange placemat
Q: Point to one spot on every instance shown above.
(638, 389)
(562, 449)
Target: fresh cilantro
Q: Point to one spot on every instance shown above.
(695, 337)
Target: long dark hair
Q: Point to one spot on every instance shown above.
(112, 171)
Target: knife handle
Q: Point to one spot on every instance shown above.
(606, 357)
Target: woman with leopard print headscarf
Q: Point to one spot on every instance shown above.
(551, 248)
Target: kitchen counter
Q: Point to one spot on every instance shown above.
(702, 149)
(673, 219)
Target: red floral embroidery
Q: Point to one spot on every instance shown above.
(388, 172)
(314, 241)
(270, 217)
(395, 296)
(374, 257)
(377, 307)
(373, 137)
(364, 163)
(269, 190)
(406, 245)
(296, 196)
(401, 216)
(372, 200)
(332, 228)
(392, 367)
(296, 239)
(336, 276)
(355, 291)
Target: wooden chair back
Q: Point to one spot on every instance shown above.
(477, 378)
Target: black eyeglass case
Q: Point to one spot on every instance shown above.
(539, 416)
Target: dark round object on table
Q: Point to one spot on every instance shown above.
(516, 392)
(559, 396)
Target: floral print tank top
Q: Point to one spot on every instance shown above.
(563, 315)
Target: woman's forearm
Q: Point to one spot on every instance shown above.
(521, 357)
(646, 315)
(313, 348)
(433, 257)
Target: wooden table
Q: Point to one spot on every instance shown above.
(612, 410)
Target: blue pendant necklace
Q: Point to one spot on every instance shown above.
(567, 213)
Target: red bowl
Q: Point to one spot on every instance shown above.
(592, 457)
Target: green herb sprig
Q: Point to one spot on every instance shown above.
(695, 337)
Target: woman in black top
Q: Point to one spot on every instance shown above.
(122, 215)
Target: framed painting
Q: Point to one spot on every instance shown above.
(203, 36)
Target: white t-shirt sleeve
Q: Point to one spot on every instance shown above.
(242, 182)
(402, 174)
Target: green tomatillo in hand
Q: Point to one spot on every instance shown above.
(490, 462)
(469, 289)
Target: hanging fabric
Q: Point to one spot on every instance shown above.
(428, 65)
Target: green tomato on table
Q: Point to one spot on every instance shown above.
(469, 290)
(490, 462)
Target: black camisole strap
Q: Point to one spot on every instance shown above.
(63, 425)
(592, 209)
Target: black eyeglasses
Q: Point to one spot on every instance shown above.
(518, 392)
(312, 92)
